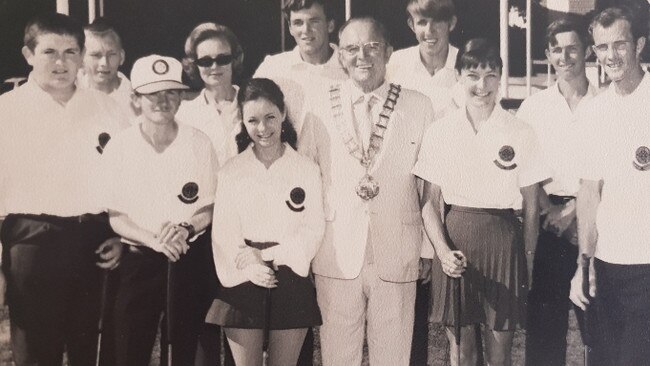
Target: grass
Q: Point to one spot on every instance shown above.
(438, 347)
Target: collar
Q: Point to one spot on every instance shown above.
(497, 118)
(452, 54)
(592, 90)
(38, 95)
(356, 93)
(252, 159)
(204, 100)
(643, 85)
(296, 59)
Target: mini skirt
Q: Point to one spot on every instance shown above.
(293, 304)
(494, 286)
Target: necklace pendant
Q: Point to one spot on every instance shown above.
(368, 188)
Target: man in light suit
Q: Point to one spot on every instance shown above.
(365, 135)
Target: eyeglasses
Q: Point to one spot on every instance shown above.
(371, 48)
(220, 60)
(618, 46)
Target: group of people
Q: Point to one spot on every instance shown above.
(365, 191)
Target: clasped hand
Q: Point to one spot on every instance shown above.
(250, 261)
(453, 263)
(172, 241)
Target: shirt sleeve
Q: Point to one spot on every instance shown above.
(264, 70)
(299, 246)
(227, 237)
(534, 169)
(429, 163)
(109, 182)
(588, 162)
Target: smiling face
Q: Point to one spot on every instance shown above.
(616, 50)
(432, 35)
(263, 122)
(102, 58)
(159, 107)
(481, 85)
(567, 56)
(55, 61)
(310, 29)
(215, 75)
(363, 53)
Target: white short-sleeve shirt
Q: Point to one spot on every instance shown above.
(301, 81)
(282, 204)
(613, 145)
(122, 95)
(484, 169)
(152, 188)
(221, 127)
(553, 121)
(50, 154)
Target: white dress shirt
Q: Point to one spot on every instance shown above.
(220, 126)
(282, 204)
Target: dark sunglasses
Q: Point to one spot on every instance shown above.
(220, 60)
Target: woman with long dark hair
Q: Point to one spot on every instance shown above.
(268, 225)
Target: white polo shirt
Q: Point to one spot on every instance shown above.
(301, 81)
(50, 154)
(221, 127)
(553, 121)
(614, 143)
(405, 67)
(122, 95)
(152, 188)
(282, 204)
(484, 169)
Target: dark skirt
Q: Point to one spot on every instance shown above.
(494, 286)
(293, 304)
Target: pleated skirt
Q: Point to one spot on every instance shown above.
(494, 286)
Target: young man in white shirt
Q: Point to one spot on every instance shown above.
(102, 59)
(53, 233)
(612, 205)
(551, 113)
(312, 66)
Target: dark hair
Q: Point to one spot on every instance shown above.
(636, 19)
(479, 52)
(261, 88)
(295, 5)
(566, 26)
(52, 23)
(438, 10)
(203, 32)
(377, 26)
(100, 27)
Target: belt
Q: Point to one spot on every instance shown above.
(560, 200)
(487, 211)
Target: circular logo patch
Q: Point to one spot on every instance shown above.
(297, 195)
(160, 67)
(297, 198)
(189, 193)
(643, 155)
(507, 153)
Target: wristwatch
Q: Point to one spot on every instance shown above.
(190, 229)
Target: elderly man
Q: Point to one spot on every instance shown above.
(612, 204)
(312, 66)
(552, 114)
(366, 137)
(52, 140)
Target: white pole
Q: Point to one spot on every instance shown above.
(63, 7)
(101, 8)
(503, 30)
(529, 47)
(283, 35)
(92, 11)
(348, 9)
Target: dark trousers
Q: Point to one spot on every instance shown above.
(622, 305)
(53, 287)
(420, 344)
(548, 301)
(141, 299)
